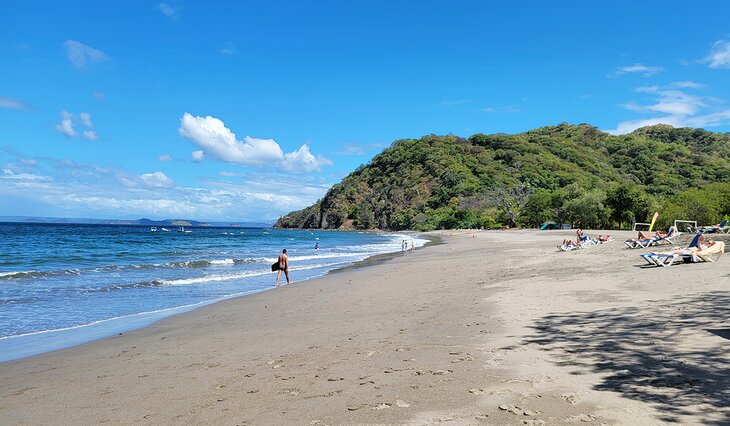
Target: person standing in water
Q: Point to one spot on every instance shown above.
(283, 266)
(413, 246)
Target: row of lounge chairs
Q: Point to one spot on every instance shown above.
(697, 251)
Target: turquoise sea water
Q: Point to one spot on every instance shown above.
(62, 285)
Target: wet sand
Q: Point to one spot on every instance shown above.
(498, 328)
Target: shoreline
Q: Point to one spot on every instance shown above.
(46, 341)
(494, 329)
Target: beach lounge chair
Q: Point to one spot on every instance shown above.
(670, 238)
(585, 242)
(641, 243)
(671, 257)
(689, 254)
(721, 227)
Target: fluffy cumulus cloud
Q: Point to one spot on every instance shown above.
(197, 156)
(81, 55)
(719, 56)
(11, 103)
(66, 126)
(157, 180)
(217, 141)
(678, 107)
(86, 119)
(644, 70)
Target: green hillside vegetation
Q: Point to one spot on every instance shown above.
(567, 174)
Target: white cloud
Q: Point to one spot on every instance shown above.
(687, 84)
(81, 55)
(66, 126)
(169, 11)
(671, 101)
(217, 141)
(165, 157)
(719, 56)
(197, 156)
(303, 160)
(72, 189)
(86, 119)
(13, 104)
(229, 49)
(644, 70)
(157, 180)
(9, 174)
(679, 108)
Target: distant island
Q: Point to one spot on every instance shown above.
(134, 222)
(567, 174)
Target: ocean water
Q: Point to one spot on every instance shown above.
(61, 285)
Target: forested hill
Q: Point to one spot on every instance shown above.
(566, 173)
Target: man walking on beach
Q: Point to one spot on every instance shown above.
(283, 266)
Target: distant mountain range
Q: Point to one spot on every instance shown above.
(140, 222)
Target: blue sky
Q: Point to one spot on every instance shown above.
(228, 111)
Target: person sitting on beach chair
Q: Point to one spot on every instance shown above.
(645, 240)
(581, 241)
(699, 250)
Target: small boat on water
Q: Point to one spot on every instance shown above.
(183, 230)
(153, 229)
(165, 230)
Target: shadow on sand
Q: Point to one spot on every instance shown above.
(673, 354)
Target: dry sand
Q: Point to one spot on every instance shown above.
(499, 328)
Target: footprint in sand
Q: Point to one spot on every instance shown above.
(290, 391)
(581, 418)
(570, 398)
(356, 407)
(476, 391)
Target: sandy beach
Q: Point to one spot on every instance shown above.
(493, 327)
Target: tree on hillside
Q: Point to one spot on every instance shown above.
(511, 201)
(627, 203)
